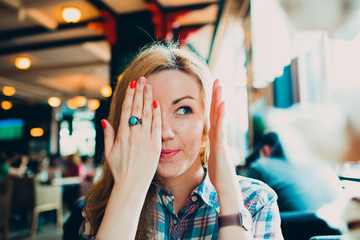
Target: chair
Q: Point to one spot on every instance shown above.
(303, 225)
(5, 205)
(35, 198)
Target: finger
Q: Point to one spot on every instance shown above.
(217, 97)
(215, 84)
(156, 122)
(109, 137)
(126, 109)
(147, 110)
(220, 121)
(138, 103)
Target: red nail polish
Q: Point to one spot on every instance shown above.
(103, 124)
(155, 105)
(133, 84)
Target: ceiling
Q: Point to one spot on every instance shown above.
(72, 59)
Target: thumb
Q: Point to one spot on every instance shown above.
(109, 136)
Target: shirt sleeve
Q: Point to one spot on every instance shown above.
(260, 200)
(266, 221)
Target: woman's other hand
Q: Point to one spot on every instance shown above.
(221, 169)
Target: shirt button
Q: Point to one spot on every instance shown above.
(175, 221)
(194, 198)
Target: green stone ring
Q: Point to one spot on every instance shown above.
(134, 121)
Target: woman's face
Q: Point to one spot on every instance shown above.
(182, 122)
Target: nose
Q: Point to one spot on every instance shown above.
(167, 130)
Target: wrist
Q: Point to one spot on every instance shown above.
(231, 200)
(242, 218)
(131, 191)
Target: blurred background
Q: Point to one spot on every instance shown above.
(60, 61)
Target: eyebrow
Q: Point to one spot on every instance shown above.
(182, 98)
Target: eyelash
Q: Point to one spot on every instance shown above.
(188, 108)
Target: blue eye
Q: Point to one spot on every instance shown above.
(184, 110)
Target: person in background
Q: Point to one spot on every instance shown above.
(326, 134)
(167, 171)
(54, 170)
(297, 187)
(74, 167)
(268, 146)
(90, 174)
(7, 170)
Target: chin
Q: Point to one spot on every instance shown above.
(168, 171)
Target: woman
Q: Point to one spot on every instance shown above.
(167, 173)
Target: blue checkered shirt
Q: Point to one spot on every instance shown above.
(198, 219)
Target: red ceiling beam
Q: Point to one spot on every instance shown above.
(107, 27)
(166, 22)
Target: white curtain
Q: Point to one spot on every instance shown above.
(270, 36)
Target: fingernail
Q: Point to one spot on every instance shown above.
(133, 84)
(147, 88)
(103, 124)
(155, 105)
(142, 80)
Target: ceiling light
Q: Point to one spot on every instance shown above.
(93, 104)
(36, 132)
(80, 101)
(6, 105)
(71, 103)
(8, 90)
(71, 14)
(54, 101)
(106, 91)
(22, 63)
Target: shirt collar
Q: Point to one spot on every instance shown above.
(205, 190)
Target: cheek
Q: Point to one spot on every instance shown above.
(191, 133)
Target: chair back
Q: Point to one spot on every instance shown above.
(23, 197)
(6, 187)
(47, 194)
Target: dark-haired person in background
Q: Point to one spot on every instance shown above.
(298, 188)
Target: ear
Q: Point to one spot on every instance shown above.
(266, 151)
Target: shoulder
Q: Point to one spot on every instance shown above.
(256, 194)
(269, 162)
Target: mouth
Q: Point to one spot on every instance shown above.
(167, 153)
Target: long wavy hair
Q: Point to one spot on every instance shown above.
(153, 58)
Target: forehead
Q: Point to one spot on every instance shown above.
(173, 84)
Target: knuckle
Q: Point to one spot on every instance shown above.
(156, 126)
(126, 107)
(146, 115)
(137, 108)
(129, 92)
(147, 95)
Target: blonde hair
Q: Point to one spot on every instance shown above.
(154, 58)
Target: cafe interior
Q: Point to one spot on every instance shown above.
(281, 63)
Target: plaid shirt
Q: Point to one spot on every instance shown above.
(198, 219)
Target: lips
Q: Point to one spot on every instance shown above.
(167, 153)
